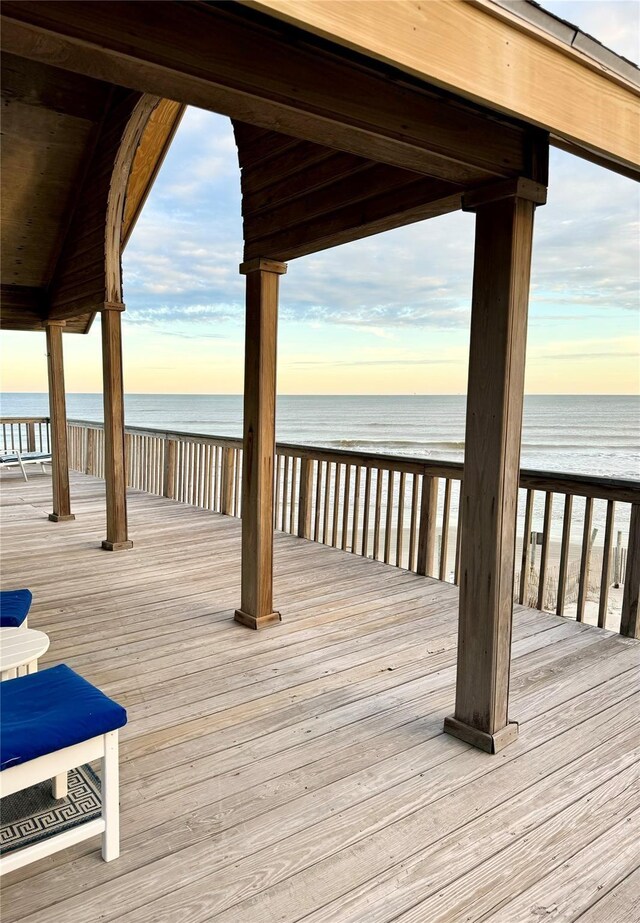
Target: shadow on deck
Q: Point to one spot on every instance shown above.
(301, 772)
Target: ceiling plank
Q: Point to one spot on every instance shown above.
(394, 208)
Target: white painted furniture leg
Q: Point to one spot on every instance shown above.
(60, 786)
(110, 798)
(21, 463)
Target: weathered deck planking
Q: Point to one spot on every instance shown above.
(301, 773)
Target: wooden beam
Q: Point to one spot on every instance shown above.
(114, 448)
(58, 414)
(489, 492)
(214, 56)
(256, 607)
(152, 150)
(487, 54)
(22, 307)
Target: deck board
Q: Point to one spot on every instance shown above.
(301, 772)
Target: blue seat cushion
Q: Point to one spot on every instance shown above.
(50, 710)
(14, 607)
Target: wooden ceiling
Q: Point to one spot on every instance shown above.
(319, 165)
(51, 122)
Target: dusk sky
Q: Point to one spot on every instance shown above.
(388, 314)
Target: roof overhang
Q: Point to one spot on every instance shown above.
(513, 58)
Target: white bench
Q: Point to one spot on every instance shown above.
(51, 722)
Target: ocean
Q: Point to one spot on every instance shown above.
(584, 434)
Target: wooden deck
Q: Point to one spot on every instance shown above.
(301, 773)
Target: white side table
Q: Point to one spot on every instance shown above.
(20, 649)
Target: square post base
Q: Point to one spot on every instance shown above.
(260, 621)
(490, 743)
(116, 546)
(59, 517)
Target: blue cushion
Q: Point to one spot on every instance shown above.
(14, 607)
(50, 710)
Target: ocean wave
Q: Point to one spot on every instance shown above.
(382, 444)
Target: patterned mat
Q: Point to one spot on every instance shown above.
(33, 814)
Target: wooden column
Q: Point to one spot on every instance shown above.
(114, 443)
(58, 413)
(504, 228)
(256, 606)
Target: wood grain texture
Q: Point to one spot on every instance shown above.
(492, 458)
(256, 606)
(630, 625)
(58, 415)
(114, 445)
(149, 157)
(293, 774)
(491, 56)
(216, 57)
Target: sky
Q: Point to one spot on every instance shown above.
(386, 315)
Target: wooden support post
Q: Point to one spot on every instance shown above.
(305, 498)
(58, 413)
(31, 437)
(256, 607)
(114, 446)
(630, 622)
(169, 470)
(226, 500)
(428, 524)
(504, 229)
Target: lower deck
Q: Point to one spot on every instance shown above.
(301, 773)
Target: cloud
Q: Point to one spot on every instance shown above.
(395, 362)
(595, 355)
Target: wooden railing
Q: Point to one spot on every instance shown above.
(25, 434)
(404, 511)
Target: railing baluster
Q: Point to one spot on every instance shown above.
(317, 517)
(525, 566)
(444, 541)
(400, 520)
(389, 516)
(376, 523)
(327, 496)
(544, 552)
(276, 501)
(294, 491)
(365, 512)
(356, 510)
(336, 506)
(414, 522)
(605, 579)
(564, 553)
(285, 491)
(345, 506)
(585, 561)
